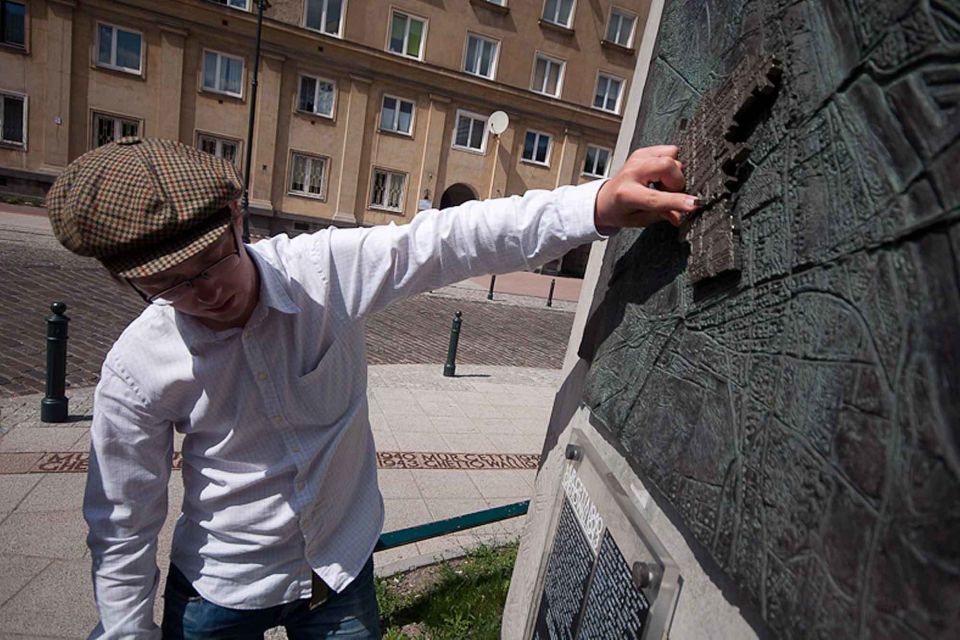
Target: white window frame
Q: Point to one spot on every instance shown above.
(560, 76)
(113, 49)
(608, 76)
(473, 116)
(413, 115)
(220, 55)
(219, 141)
(323, 18)
(117, 126)
(391, 175)
(536, 142)
(633, 28)
(232, 4)
(569, 23)
(311, 158)
(606, 171)
(316, 95)
(494, 61)
(11, 143)
(406, 35)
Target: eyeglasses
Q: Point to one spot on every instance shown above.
(184, 288)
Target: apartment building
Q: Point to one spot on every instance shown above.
(367, 111)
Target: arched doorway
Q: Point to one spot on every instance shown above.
(457, 194)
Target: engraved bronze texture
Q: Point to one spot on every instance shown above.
(796, 407)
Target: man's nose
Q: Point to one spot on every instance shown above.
(207, 290)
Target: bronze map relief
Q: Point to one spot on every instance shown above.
(783, 372)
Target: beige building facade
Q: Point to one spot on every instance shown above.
(366, 111)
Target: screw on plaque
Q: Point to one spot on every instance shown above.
(646, 575)
(573, 452)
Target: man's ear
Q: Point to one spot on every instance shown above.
(236, 211)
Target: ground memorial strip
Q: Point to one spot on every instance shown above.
(795, 400)
(77, 461)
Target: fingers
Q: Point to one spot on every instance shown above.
(663, 170)
(668, 150)
(644, 198)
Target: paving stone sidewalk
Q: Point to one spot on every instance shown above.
(446, 446)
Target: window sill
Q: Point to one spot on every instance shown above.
(338, 36)
(309, 196)
(14, 48)
(314, 114)
(592, 176)
(251, 5)
(480, 75)
(396, 134)
(613, 46)
(553, 26)
(221, 95)
(545, 95)
(375, 207)
(612, 113)
(496, 8)
(476, 152)
(13, 146)
(120, 71)
(542, 165)
(404, 55)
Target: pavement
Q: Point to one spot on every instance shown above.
(445, 446)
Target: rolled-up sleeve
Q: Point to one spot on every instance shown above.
(372, 267)
(125, 504)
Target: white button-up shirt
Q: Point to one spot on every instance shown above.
(279, 466)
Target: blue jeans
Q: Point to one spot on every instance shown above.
(352, 614)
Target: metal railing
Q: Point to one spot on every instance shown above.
(438, 528)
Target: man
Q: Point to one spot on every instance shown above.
(256, 355)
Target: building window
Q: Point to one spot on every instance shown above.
(607, 97)
(481, 56)
(536, 148)
(13, 119)
(325, 16)
(597, 162)
(470, 132)
(13, 23)
(387, 191)
(620, 27)
(108, 128)
(547, 75)
(307, 176)
(236, 4)
(396, 115)
(119, 48)
(220, 147)
(558, 12)
(407, 35)
(316, 96)
(222, 73)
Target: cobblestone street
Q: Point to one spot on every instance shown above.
(35, 271)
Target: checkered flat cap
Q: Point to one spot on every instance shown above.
(141, 206)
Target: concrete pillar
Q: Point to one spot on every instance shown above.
(167, 117)
(432, 148)
(567, 169)
(349, 191)
(56, 90)
(265, 131)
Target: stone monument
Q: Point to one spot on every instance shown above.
(770, 395)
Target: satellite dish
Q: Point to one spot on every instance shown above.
(498, 122)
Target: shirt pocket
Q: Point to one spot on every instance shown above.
(323, 395)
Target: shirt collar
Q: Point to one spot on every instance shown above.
(273, 294)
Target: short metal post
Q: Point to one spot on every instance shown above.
(450, 368)
(493, 279)
(553, 283)
(53, 407)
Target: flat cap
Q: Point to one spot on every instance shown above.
(141, 206)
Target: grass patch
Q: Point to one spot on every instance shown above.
(26, 200)
(452, 600)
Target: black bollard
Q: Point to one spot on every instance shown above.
(553, 283)
(53, 407)
(450, 368)
(493, 279)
